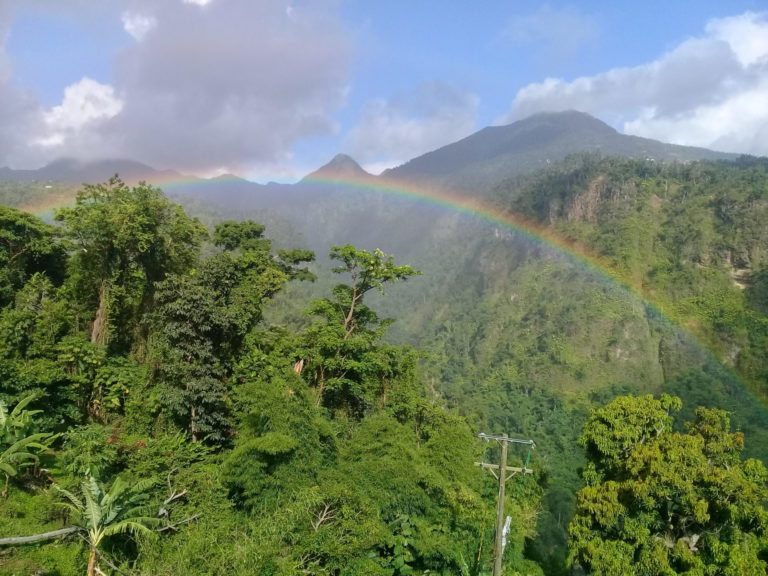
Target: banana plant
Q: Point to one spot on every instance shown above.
(18, 449)
(102, 513)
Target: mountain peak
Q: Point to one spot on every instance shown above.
(340, 167)
(564, 120)
(484, 158)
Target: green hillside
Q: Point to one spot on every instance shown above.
(522, 338)
(525, 339)
(287, 427)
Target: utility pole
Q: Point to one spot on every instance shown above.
(503, 469)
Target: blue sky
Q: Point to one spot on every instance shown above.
(272, 89)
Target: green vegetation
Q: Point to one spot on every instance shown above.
(689, 237)
(524, 339)
(287, 427)
(153, 422)
(658, 501)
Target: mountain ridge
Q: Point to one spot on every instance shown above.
(484, 157)
(473, 163)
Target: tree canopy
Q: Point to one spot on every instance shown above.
(659, 501)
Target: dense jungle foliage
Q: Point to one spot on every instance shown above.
(525, 339)
(651, 281)
(156, 425)
(319, 442)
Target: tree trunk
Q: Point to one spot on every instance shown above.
(99, 331)
(193, 423)
(16, 540)
(320, 386)
(92, 563)
(348, 322)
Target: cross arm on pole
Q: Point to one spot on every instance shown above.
(513, 469)
(484, 436)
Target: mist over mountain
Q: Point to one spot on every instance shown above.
(332, 214)
(473, 164)
(72, 171)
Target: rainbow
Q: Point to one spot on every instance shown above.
(448, 200)
(483, 210)
(474, 207)
(537, 234)
(451, 201)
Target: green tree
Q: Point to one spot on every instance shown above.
(662, 502)
(27, 245)
(343, 357)
(125, 240)
(201, 321)
(102, 513)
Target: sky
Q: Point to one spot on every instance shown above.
(272, 89)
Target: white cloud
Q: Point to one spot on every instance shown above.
(710, 91)
(237, 85)
(85, 103)
(198, 2)
(138, 25)
(408, 125)
(745, 34)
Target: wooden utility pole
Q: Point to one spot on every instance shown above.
(498, 548)
(503, 470)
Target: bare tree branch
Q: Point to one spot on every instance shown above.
(14, 540)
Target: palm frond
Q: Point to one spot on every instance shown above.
(16, 412)
(140, 487)
(134, 527)
(7, 469)
(19, 457)
(92, 494)
(74, 500)
(33, 441)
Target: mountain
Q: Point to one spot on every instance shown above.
(341, 167)
(475, 165)
(494, 153)
(339, 202)
(71, 171)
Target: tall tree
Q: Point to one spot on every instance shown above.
(27, 246)
(661, 502)
(202, 319)
(343, 356)
(125, 240)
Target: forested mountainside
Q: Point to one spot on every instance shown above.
(523, 336)
(285, 427)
